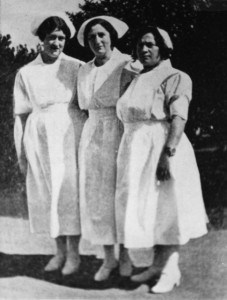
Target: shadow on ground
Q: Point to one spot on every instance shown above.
(33, 266)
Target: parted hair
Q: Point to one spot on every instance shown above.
(50, 24)
(106, 25)
(164, 51)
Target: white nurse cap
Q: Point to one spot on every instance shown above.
(42, 17)
(120, 27)
(166, 38)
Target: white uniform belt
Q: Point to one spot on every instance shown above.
(138, 124)
(57, 106)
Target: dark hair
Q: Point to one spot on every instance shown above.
(106, 25)
(164, 51)
(50, 24)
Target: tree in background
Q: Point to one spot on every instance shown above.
(11, 60)
(176, 16)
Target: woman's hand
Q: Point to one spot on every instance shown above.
(20, 122)
(175, 132)
(23, 164)
(163, 169)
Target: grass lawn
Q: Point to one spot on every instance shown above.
(23, 256)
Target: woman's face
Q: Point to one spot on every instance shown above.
(147, 51)
(99, 41)
(54, 43)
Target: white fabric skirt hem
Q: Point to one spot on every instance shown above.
(170, 212)
(99, 241)
(182, 242)
(66, 233)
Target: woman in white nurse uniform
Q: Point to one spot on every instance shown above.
(100, 82)
(48, 126)
(157, 174)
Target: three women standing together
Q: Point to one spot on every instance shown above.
(141, 195)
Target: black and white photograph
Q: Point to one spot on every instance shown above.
(113, 149)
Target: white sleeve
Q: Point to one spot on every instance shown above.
(18, 140)
(179, 94)
(22, 105)
(179, 107)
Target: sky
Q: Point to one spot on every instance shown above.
(17, 15)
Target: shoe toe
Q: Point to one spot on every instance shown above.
(147, 275)
(104, 272)
(54, 264)
(166, 284)
(71, 267)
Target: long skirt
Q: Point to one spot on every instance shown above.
(154, 212)
(51, 140)
(98, 162)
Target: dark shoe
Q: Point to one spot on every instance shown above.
(125, 268)
(147, 275)
(71, 266)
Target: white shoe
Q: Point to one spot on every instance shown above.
(55, 263)
(105, 271)
(167, 282)
(71, 266)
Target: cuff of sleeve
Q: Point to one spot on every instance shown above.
(179, 107)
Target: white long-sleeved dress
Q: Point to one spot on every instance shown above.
(47, 92)
(153, 212)
(98, 92)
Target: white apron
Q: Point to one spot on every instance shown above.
(163, 213)
(98, 91)
(51, 140)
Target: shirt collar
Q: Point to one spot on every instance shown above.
(39, 61)
(115, 55)
(165, 64)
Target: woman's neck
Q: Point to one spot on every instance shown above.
(101, 60)
(47, 59)
(150, 68)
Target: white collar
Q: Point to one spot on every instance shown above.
(165, 64)
(39, 61)
(115, 55)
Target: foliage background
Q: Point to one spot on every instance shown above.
(200, 42)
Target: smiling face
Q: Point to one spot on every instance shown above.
(148, 52)
(99, 41)
(53, 44)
